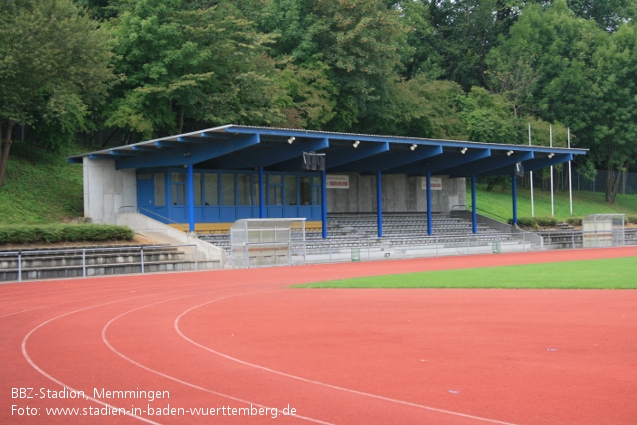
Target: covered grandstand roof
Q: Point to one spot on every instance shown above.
(280, 149)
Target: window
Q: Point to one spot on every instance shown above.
(245, 194)
(306, 190)
(317, 190)
(178, 188)
(160, 190)
(227, 190)
(198, 194)
(211, 189)
(275, 188)
(290, 191)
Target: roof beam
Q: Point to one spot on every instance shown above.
(345, 156)
(194, 154)
(533, 164)
(485, 165)
(272, 155)
(391, 160)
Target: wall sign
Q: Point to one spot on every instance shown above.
(337, 182)
(436, 183)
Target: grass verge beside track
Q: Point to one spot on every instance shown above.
(614, 273)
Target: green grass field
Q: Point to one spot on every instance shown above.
(615, 273)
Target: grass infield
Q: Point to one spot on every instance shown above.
(614, 273)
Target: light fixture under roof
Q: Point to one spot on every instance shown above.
(413, 147)
(463, 151)
(509, 153)
(356, 143)
(291, 140)
(551, 155)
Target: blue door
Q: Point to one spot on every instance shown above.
(145, 192)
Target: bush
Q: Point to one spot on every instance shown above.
(29, 234)
(546, 221)
(574, 221)
(536, 222)
(632, 219)
(527, 222)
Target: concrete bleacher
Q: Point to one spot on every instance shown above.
(351, 230)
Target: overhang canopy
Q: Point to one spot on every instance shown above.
(236, 147)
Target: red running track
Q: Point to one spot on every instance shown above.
(240, 339)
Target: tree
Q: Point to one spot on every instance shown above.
(193, 61)
(53, 68)
(361, 42)
(615, 130)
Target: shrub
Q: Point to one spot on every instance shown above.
(28, 234)
(632, 219)
(574, 221)
(546, 221)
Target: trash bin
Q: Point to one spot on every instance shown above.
(496, 247)
(356, 254)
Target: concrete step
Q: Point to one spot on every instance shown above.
(105, 269)
(72, 262)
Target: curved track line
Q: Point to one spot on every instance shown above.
(186, 383)
(42, 372)
(299, 378)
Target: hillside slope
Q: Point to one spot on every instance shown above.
(40, 187)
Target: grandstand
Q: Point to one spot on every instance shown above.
(405, 235)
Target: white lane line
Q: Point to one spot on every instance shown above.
(311, 381)
(186, 383)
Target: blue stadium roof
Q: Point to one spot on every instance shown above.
(237, 147)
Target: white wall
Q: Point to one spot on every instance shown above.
(106, 190)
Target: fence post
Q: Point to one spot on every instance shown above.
(196, 259)
(436, 242)
(141, 251)
(19, 266)
(368, 250)
(83, 263)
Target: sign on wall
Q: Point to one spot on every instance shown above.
(436, 183)
(337, 182)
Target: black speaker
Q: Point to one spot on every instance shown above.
(313, 161)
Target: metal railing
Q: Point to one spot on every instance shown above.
(137, 251)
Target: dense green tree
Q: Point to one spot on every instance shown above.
(422, 107)
(361, 42)
(190, 61)
(53, 68)
(615, 129)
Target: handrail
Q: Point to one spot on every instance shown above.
(83, 251)
(506, 220)
(186, 229)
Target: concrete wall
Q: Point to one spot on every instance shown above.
(106, 190)
(400, 194)
(166, 234)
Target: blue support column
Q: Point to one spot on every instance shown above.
(429, 226)
(474, 213)
(324, 203)
(191, 198)
(379, 202)
(261, 193)
(514, 193)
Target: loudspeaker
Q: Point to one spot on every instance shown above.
(313, 161)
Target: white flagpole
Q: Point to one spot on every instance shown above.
(570, 174)
(531, 177)
(552, 201)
